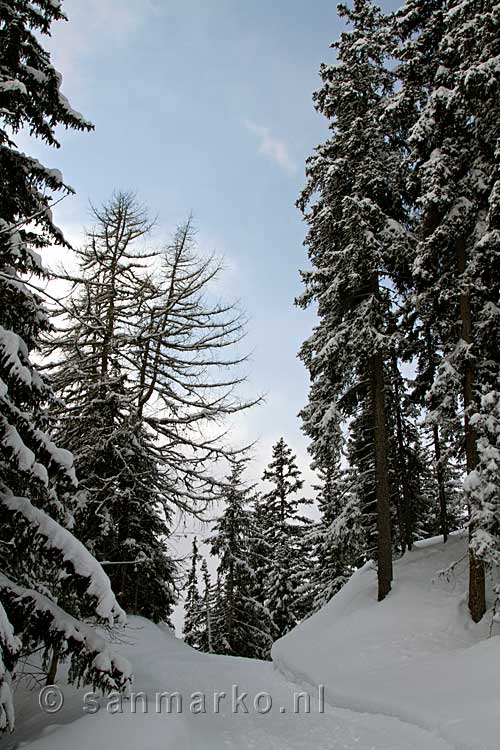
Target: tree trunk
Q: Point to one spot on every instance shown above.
(477, 594)
(406, 531)
(382, 490)
(52, 673)
(209, 630)
(443, 511)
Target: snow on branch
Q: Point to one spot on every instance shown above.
(100, 665)
(74, 552)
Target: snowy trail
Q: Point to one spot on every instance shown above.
(163, 663)
(416, 656)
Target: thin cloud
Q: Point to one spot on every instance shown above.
(273, 148)
(91, 24)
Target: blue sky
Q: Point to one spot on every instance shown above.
(206, 107)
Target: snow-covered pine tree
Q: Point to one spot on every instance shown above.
(140, 533)
(415, 494)
(193, 611)
(359, 498)
(441, 434)
(212, 631)
(41, 563)
(281, 504)
(337, 539)
(260, 550)
(245, 626)
(451, 77)
(282, 586)
(280, 519)
(145, 366)
(353, 204)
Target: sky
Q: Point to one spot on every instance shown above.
(206, 107)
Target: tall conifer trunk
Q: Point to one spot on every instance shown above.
(404, 510)
(384, 543)
(443, 511)
(382, 490)
(477, 594)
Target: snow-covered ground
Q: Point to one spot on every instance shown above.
(406, 674)
(416, 656)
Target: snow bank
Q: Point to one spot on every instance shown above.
(415, 656)
(164, 663)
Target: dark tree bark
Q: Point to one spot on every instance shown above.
(405, 506)
(443, 510)
(382, 488)
(54, 664)
(384, 541)
(477, 593)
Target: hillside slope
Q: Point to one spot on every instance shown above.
(163, 663)
(410, 673)
(416, 656)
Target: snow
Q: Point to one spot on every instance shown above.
(83, 633)
(54, 174)
(13, 85)
(72, 112)
(408, 673)
(416, 656)
(74, 551)
(11, 644)
(165, 664)
(23, 456)
(38, 75)
(12, 348)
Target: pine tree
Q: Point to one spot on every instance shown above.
(282, 521)
(192, 602)
(260, 550)
(353, 204)
(337, 539)
(245, 627)
(43, 566)
(415, 492)
(282, 586)
(450, 89)
(139, 533)
(281, 503)
(442, 431)
(211, 637)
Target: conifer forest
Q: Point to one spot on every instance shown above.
(250, 450)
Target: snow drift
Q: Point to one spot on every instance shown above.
(416, 656)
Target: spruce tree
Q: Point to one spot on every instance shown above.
(212, 632)
(353, 204)
(418, 512)
(280, 521)
(337, 539)
(450, 94)
(282, 586)
(245, 628)
(43, 566)
(192, 602)
(441, 428)
(281, 503)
